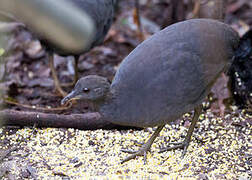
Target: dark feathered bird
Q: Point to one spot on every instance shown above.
(102, 13)
(56, 22)
(241, 72)
(164, 77)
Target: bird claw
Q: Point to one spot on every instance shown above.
(128, 151)
(144, 148)
(181, 145)
(132, 151)
(141, 152)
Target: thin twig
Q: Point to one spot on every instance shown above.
(69, 105)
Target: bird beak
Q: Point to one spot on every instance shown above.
(70, 96)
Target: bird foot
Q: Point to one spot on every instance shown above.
(141, 152)
(181, 145)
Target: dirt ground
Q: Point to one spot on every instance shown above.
(221, 143)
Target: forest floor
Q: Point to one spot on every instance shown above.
(220, 146)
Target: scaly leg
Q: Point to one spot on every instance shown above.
(184, 145)
(144, 149)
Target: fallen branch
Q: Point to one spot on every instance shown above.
(87, 121)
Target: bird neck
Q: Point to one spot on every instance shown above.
(97, 103)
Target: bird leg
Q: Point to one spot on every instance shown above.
(184, 145)
(55, 77)
(144, 149)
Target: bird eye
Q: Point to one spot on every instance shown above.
(86, 90)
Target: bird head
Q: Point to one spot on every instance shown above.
(90, 88)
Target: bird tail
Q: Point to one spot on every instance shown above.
(240, 72)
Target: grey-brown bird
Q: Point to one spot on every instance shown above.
(164, 77)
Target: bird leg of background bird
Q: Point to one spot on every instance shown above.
(145, 147)
(184, 145)
(54, 75)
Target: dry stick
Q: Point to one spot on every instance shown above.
(37, 108)
(8, 16)
(87, 121)
(196, 9)
(137, 20)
